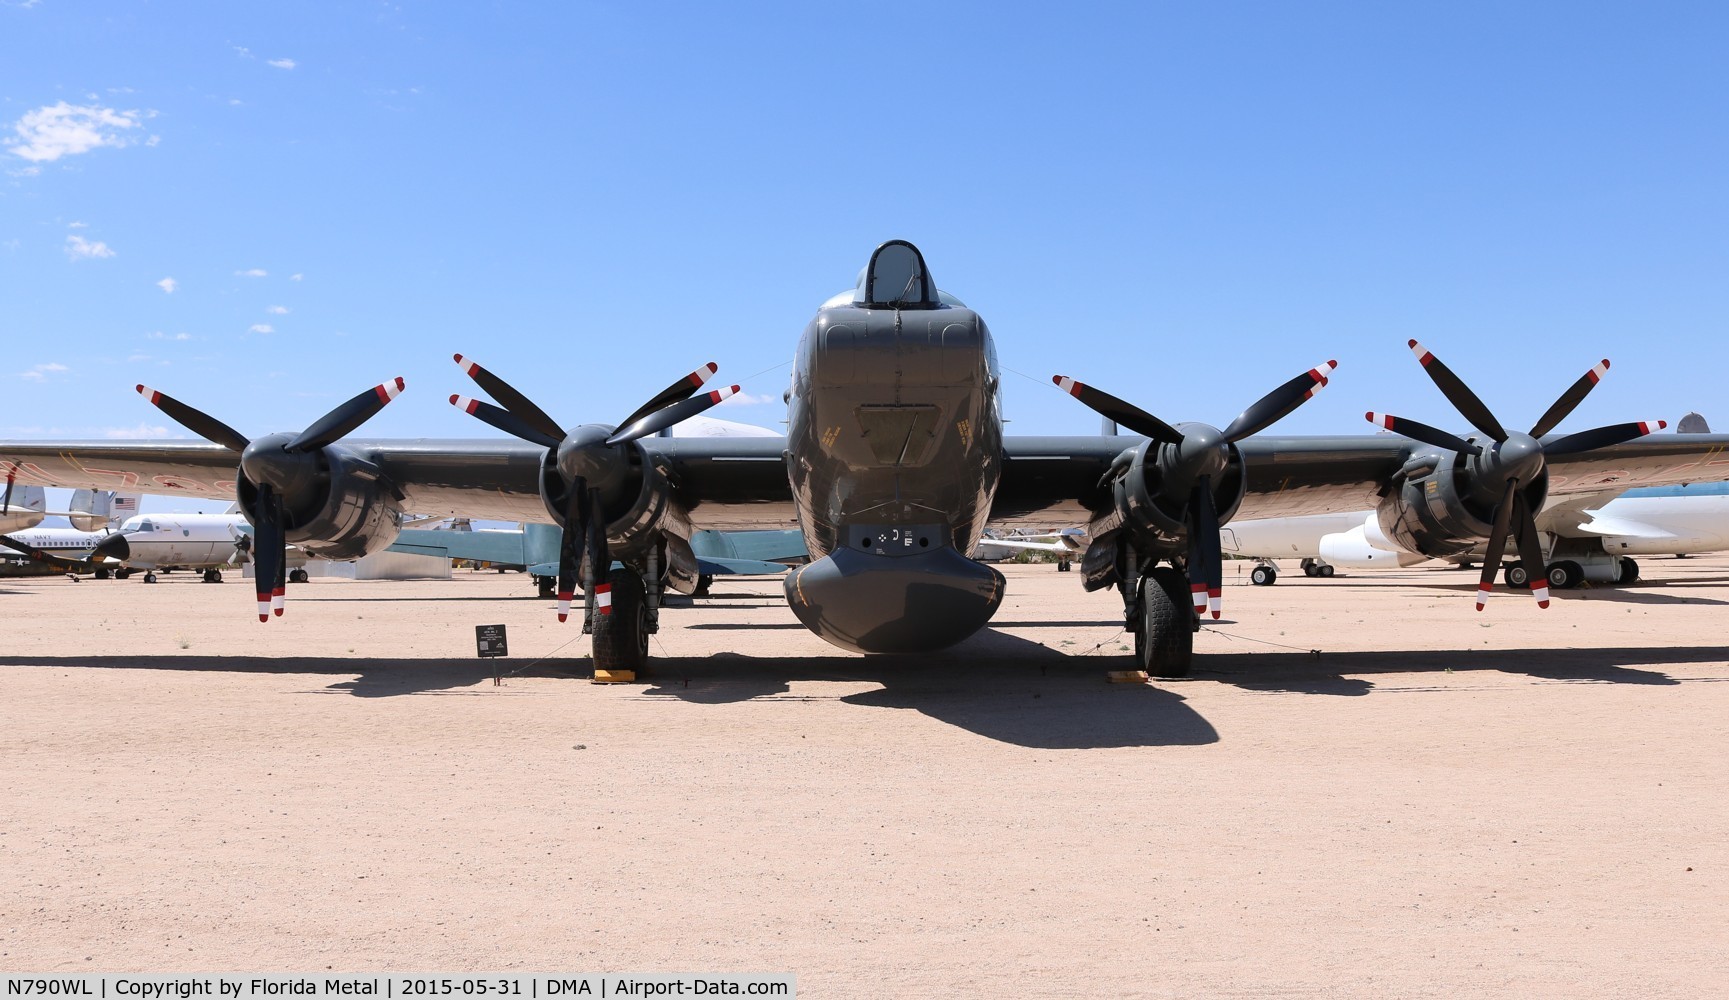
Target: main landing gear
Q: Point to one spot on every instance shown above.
(1158, 612)
(212, 576)
(1566, 574)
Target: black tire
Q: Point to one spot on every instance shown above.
(212, 576)
(1326, 572)
(298, 576)
(102, 574)
(546, 587)
(621, 638)
(149, 577)
(1310, 570)
(1629, 570)
(703, 582)
(1167, 643)
(122, 573)
(1263, 576)
(1513, 575)
(1566, 574)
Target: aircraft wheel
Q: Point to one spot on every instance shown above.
(546, 587)
(621, 638)
(1629, 570)
(102, 574)
(1514, 576)
(149, 577)
(212, 576)
(122, 573)
(703, 582)
(1167, 643)
(298, 576)
(1263, 576)
(1325, 572)
(1566, 574)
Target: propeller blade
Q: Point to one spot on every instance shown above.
(1602, 437)
(1197, 558)
(1531, 551)
(1421, 432)
(345, 418)
(1497, 543)
(599, 557)
(503, 419)
(669, 416)
(684, 388)
(514, 401)
(1462, 398)
(1275, 405)
(1574, 395)
(1125, 414)
(6, 503)
(279, 593)
(570, 543)
(266, 551)
(1205, 516)
(202, 424)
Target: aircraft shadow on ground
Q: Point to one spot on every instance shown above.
(1348, 673)
(996, 685)
(1637, 594)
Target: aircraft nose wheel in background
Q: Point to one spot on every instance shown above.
(1263, 576)
(212, 576)
(299, 576)
(149, 577)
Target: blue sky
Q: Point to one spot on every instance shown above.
(1184, 204)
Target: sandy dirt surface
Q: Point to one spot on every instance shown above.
(1439, 803)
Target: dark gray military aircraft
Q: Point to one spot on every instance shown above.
(894, 462)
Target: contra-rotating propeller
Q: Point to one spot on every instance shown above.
(282, 468)
(1513, 458)
(1194, 457)
(586, 456)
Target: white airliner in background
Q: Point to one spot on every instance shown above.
(1595, 543)
(24, 507)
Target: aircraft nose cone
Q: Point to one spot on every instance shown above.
(114, 547)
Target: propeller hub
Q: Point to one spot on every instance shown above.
(584, 454)
(1519, 456)
(267, 460)
(1202, 452)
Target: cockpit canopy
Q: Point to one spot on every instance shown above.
(895, 278)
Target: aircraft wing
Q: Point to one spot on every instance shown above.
(740, 484)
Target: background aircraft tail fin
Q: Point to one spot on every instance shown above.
(93, 510)
(1693, 423)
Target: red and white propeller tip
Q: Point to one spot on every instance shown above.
(466, 365)
(1319, 373)
(466, 404)
(1652, 426)
(149, 393)
(1067, 384)
(391, 389)
(701, 376)
(720, 394)
(1422, 353)
(1596, 374)
(564, 599)
(1382, 420)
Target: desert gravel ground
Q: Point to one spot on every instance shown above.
(1438, 803)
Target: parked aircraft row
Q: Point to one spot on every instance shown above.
(893, 463)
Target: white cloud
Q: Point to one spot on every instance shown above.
(139, 430)
(79, 248)
(280, 63)
(77, 225)
(296, 277)
(277, 310)
(253, 272)
(159, 335)
(261, 328)
(40, 373)
(62, 129)
(243, 52)
(168, 285)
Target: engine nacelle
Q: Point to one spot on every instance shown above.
(346, 510)
(1152, 506)
(1358, 549)
(1431, 508)
(639, 503)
